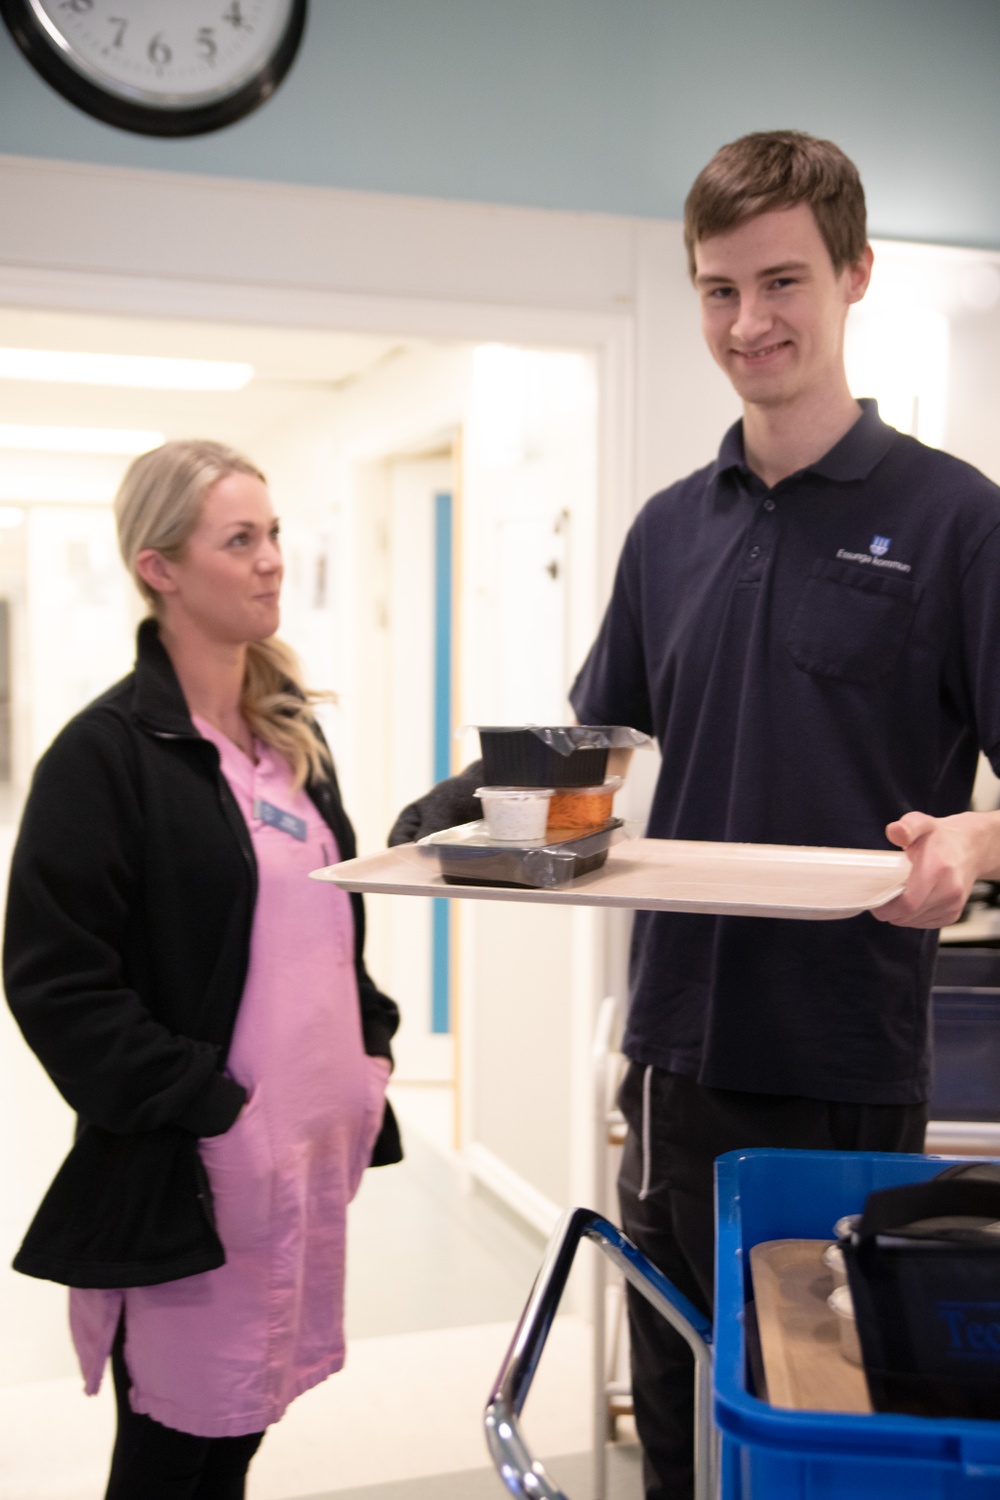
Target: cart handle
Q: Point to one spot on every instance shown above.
(525, 1476)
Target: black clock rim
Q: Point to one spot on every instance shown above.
(148, 119)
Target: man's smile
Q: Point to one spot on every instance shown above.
(754, 355)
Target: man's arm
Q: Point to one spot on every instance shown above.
(947, 855)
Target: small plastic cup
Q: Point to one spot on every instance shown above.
(839, 1302)
(515, 814)
(833, 1259)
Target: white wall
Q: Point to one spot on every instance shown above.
(926, 343)
(80, 614)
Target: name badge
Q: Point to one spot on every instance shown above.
(276, 817)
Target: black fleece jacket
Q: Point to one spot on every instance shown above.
(132, 893)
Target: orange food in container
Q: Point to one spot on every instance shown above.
(582, 807)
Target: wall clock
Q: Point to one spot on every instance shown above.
(160, 67)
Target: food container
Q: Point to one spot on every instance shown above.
(466, 855)
(619, 760)
(583, 807)
(552, 755)
(839, 1302)
(833, 1259)
(515, 814)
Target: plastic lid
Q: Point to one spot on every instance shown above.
(514, 793)
(565, 738)
(611, 785)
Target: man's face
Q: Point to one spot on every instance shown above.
(773, 308)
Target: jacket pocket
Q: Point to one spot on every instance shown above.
(851, 623)
(124, 1210)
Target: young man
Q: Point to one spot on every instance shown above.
(811, 628)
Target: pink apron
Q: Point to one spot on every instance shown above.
(223, 1353)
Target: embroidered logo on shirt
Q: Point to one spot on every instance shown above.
(875, 556)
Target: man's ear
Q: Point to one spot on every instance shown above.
(155, 572)
(860, 274)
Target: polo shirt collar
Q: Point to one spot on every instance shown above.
(854, 457)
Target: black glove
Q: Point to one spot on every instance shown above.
(450, 802)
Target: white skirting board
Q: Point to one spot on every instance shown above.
(512, 1189)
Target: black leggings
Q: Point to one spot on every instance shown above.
(153, 1462)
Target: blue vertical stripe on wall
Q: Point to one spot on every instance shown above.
(442, 636)
(441, 925)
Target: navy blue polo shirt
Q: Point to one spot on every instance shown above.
(815, 660)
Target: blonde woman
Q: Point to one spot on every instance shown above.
(201, 1004)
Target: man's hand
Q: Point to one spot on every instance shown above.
(946, 855)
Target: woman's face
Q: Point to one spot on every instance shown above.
(228, 581)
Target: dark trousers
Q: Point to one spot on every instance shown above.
(666, 1198)
(153, 1462)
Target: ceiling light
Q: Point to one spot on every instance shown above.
(140, 371)
(78, 439)
(55, 489)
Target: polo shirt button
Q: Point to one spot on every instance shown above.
(754, 551)
(768, 504)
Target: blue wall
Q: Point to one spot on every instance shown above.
(608, 105)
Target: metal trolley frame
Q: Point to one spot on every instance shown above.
(524, 1475)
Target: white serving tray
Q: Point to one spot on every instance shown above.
(742, 880)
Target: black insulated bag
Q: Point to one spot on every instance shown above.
(924, 1271)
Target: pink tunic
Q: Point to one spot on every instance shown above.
(223, 1353)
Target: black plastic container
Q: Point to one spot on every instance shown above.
(468, 856)
(521, 757)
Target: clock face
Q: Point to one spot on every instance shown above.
(161, 66)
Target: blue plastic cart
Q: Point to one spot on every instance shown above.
(746, 1449)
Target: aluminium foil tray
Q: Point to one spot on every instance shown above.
(466, 855)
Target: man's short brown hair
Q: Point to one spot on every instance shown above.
(775, 169)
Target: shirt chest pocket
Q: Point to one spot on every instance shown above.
(850, 622)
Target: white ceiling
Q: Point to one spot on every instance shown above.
(294, 367)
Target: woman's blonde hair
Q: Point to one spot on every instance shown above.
(158, 506)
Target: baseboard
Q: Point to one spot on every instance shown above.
(512, 1189)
